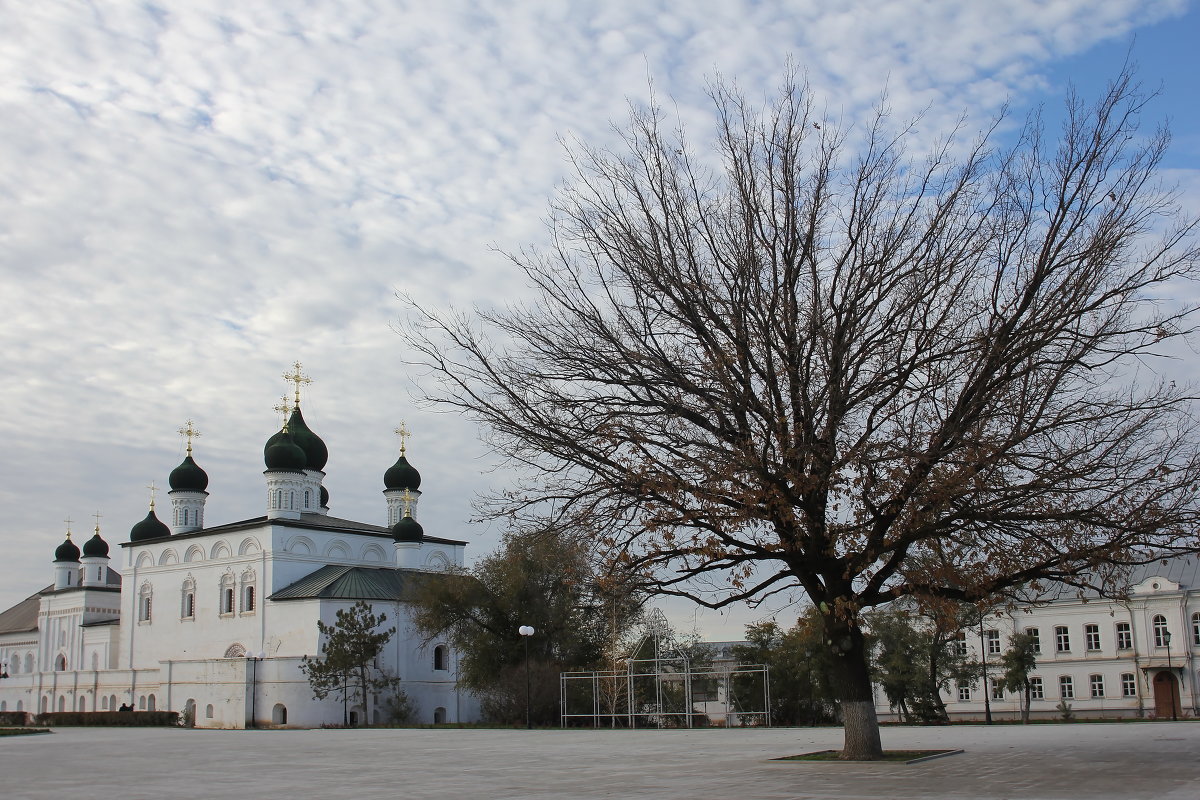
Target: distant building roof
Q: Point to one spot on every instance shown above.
(320, 522)
(23, 616)
(1181, 569)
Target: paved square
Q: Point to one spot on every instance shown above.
(1132, 760)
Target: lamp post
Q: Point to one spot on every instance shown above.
(253, 659)
(526, 631)
(1171, 672)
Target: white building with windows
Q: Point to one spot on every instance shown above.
(1104, 657)
(216, 619)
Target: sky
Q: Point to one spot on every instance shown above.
(195, 195)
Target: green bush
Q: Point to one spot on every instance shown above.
(128, 719)
(12, 718)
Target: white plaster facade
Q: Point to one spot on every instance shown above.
(171, 623)
(1104, 657)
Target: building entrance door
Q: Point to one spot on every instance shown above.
(1166, 695)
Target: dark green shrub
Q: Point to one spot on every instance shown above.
(128, 719)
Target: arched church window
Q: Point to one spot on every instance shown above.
(151, 704)
(29, 662)
(187, 608)
(208, 711)
(95, 661)
(440, 661)
(248, 585)
(60, 663)
(62, 703)
(307, 498)
(144, 600)
(227, 593)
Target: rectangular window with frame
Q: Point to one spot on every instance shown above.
(1035, 635)
(964, 691)
(1097, 684)
(960, 645)
(997, 691)
(1091, 635)
(227, 601)
(1037, 690)
(993, 642)
(1066, 687)
(1124, 636)
(1062, 639)
(1128, 684)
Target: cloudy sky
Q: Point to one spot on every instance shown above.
(194, 195)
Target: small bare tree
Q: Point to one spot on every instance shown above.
(862, 375)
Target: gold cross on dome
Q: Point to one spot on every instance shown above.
(297, 377)
(96, 516)
(407, 498)
(68, 521)
(189, 431)
(153, 491)
(403, 432)
(284, 406)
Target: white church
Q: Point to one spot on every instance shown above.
(214, 620)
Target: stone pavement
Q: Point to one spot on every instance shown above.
(1097, 760)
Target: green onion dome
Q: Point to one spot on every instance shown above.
(402, 475)
(149, 528)
(315, 451)
(188, 476)
(408, 530)
(67, 551)
(283, 453)
(324, 497)
(95, 547)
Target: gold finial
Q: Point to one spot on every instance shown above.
(284, 406)
(403, 432)
(297, 377)
(153, 490)
(96, 516)
(68, 521)
(407, 498)
(189, 431)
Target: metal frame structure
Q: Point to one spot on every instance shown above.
(657, 692)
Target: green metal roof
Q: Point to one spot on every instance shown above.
(350, 583)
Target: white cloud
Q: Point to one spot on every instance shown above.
(192, 196)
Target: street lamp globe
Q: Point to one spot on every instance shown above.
(525, 630)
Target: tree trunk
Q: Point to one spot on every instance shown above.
(1025, 705)
(851, 680)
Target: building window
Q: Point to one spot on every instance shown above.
(208, 711)
(1097, 684)
(1066, 687)
(104, 702)
(307, 497)
(960, 644)
(227, 594)
(1091, 634)
(187, 605)
(248, 599)
(964, 691)
(144, 598)
(1128, 685)
(1160, 630)
(440, 660)
(1124, 636)
(993, 642)
(1196, 629)
(1062, 639)
(997, 690)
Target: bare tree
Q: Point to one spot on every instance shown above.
(847, 370)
